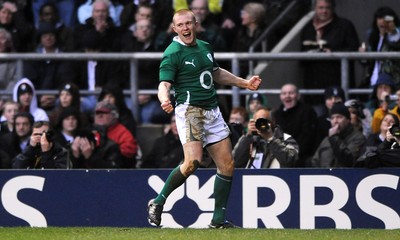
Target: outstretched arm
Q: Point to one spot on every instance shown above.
(164, 96)
(224, 77)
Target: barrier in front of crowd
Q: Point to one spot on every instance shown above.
(235, 58)
(263, 198)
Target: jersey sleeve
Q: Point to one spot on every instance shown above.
(168, 68)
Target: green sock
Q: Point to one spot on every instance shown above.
(174, 180)
(222, 188)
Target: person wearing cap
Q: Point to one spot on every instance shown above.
(360, 117)
(43, 151)
(384, 86)
(14, 22)
(68, 96)
(48, 13)
(67, 126)
(254, 101)
(343, 145)
(299, 120)
(332, 95)
(115, 95)
(24, 93)
(106, 122)
(384, 105)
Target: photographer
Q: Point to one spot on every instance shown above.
(42, 151)
(265, 145)
(392, 140)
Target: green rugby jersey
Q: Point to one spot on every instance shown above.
(189, 69)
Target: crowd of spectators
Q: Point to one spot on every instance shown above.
(78, 130)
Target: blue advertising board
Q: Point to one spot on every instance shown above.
(263, 198)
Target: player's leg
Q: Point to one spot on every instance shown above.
(190, 130)
(221, 153)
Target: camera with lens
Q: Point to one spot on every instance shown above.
(263, 124)
(395, 131)
(49, 135)
(391, 98)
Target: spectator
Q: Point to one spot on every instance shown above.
(143, 12)
(162, 12)
(384, 105)
(238, 120)
(115, 10)
(141, 40)
(299, 120)
(48, 13)
(25, 94)
(14, 22)
(396, 109)
(92, 75)
(42, 152)
(375, 139)
(68, 96)
(254, 102)
(106, 122)
(252, 26)
(332, 95)
(66, 8)
(102, 23)
(14, 142)
(167, 150)
(10, 109)
(47, 74)
(67, 126)
(326, 33)
(360, 117)
(388, 152)
(383, 86)
(343, 145)
(265, 145)
(384, 36)
(8, 69)
(115, 96)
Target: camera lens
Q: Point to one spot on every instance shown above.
(395, 131)
(262, 124)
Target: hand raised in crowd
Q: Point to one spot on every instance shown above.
(85, 147)
(334, 130)
(75, 147)
(101, 25)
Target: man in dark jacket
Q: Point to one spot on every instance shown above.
(298, 120)
(326, 33)
(343, 145)
(265, 145)
(42, 151)
(14, 142)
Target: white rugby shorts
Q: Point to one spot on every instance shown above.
(198, 124)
